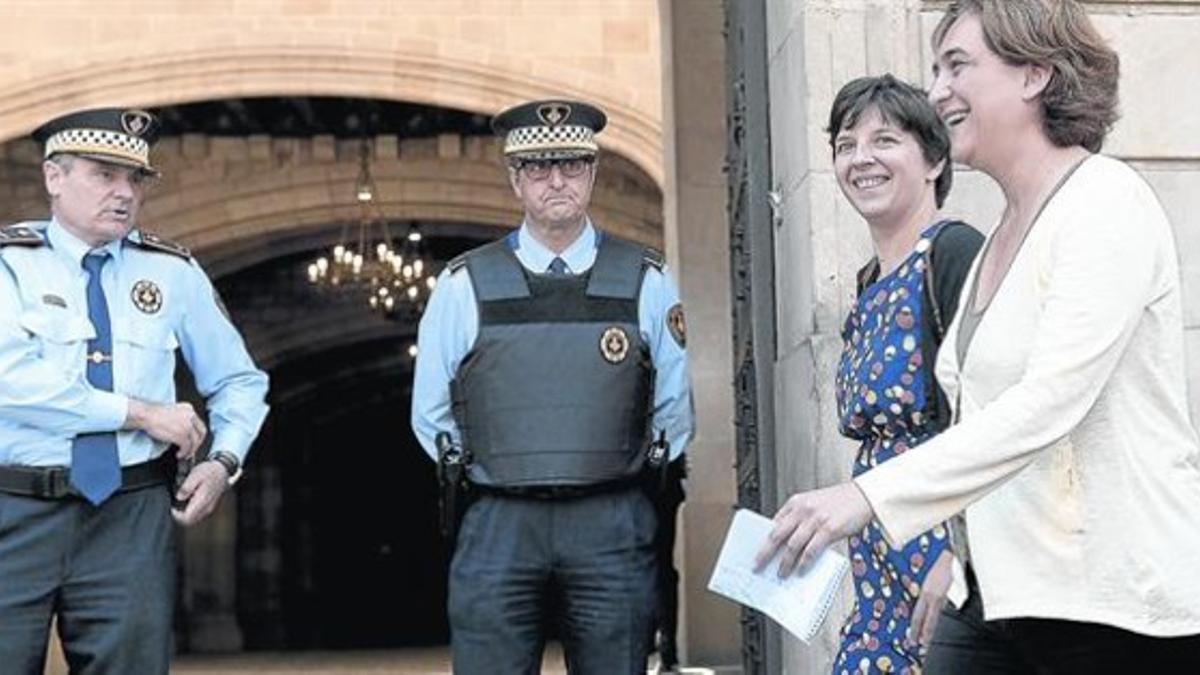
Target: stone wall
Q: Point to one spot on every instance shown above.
(481, 56)
(816, 46)
(222, 192)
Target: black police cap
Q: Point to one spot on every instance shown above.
(115, 135)
(550, 129)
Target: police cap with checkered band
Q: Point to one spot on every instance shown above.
(115, 135)
(553, 129)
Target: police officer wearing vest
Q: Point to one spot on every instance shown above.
(92, 313)
(553, 359)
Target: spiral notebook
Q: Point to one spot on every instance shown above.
(800, 602)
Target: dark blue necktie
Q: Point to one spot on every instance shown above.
(558, 267)
(95, 468)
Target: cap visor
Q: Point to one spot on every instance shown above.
(551, 154)
(119, 161)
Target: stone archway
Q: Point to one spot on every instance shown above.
(219, 192)
(425, 51)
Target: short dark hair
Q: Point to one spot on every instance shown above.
(1079, 104)
(903, 105)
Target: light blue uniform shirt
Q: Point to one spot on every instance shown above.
(45, 398)
(451, 323)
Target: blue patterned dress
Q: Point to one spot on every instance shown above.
(881, 397)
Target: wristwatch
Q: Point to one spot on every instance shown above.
(232, 465)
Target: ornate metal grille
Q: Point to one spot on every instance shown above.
(748, 169)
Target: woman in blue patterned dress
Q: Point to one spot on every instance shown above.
(891, 158)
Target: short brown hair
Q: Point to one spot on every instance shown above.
(1079, 105)
(903, 105)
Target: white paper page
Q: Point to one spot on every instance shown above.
(800, 602)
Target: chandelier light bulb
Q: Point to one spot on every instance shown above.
(412, 351)
(322, 265)
(431, 282)
(389, 302)
(414, 236)
(419, 266)
(412, 292)
(313, 273)
(373, 301)
(363, 191)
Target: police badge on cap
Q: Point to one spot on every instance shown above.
(114, 135)
(553, 129)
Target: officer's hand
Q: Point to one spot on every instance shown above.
(202, 491)
(177, 424)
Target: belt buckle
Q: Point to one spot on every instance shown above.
(54, 483)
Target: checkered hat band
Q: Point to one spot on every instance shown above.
(564, 137)
(100, 142)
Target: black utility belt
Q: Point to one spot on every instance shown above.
(558, 492)
(54, 482)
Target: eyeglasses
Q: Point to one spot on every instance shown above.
(539, 169)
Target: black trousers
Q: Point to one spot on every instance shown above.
(965, 644)
(584, 565)
(108, 572)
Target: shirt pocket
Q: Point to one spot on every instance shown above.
(144, 363)
(62, 340)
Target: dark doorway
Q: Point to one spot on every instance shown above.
(360, 558)
(337, 541)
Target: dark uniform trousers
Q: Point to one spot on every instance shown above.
(107, 571)
(586, 563)
(965, 644)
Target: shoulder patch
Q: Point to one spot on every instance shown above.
(153, 242)
(654, 258)
(677, 325)
(19, 235)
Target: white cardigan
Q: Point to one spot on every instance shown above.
(1074, 457)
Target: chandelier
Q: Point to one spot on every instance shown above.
(367, 263)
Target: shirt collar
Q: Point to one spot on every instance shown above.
(579, 256)
(73, 248)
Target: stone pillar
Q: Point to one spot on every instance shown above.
(813, 48)
(697, 242)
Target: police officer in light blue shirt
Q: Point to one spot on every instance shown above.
(554, 359)
(92, 314)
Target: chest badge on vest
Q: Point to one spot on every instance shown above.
(614, 344)
(147, 296)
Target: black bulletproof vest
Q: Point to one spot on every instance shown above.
(557, 388)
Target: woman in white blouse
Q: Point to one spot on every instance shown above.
(1073, 459)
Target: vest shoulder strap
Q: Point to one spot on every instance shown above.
(619, 267)
(496, 274)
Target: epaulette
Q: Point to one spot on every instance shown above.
(153, 242)
(19, 235)
(654, 257)
(457, 263)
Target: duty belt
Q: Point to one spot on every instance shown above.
(54, 482)
(556, 492)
